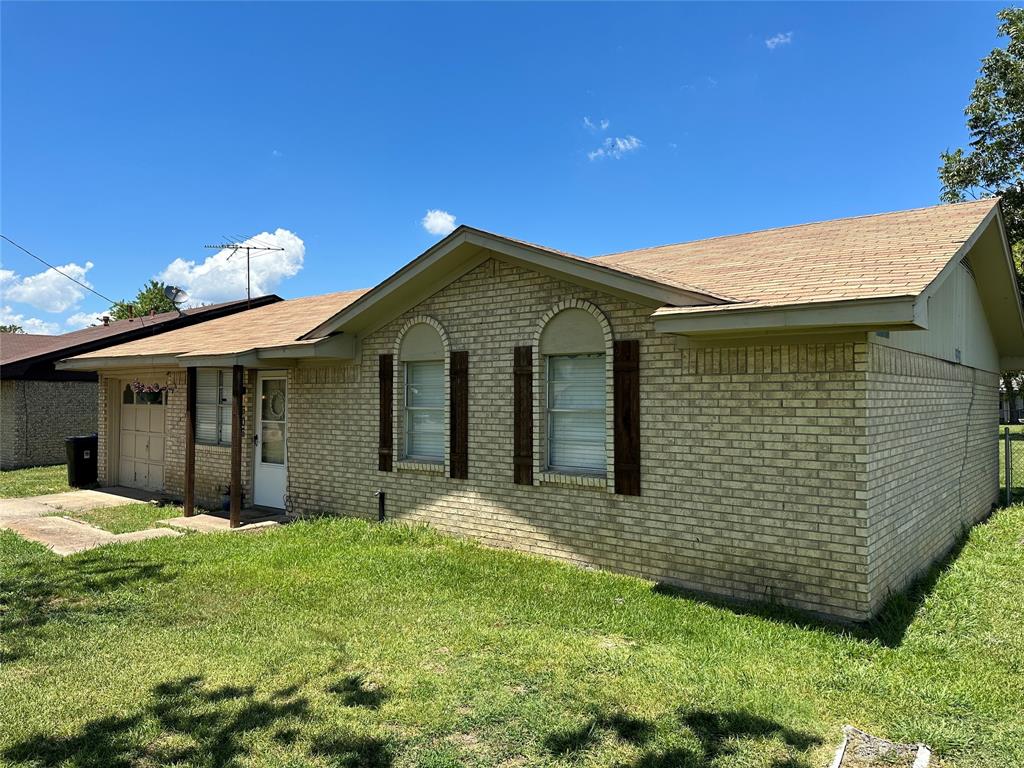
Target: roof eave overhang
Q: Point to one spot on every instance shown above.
(117, 362)
(889, 313)
(467, 248)
(340, 347)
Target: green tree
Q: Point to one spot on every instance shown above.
(150, 298)
(11, 328)
(994, 162)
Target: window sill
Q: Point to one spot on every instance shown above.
(213, 445)
(430, 467)
(577, 481)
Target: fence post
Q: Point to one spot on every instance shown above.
(1008, 463)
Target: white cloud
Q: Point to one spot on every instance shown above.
(220, 278)
(599, 125)
(782, 38)
(438, 222)
(616, 148)
(82, 320)
(48, 290)
(29, 324)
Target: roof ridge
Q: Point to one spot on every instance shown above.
(637, 272)
(993, 200)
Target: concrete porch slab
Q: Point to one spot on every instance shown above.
(251, 519)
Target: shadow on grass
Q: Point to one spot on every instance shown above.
(36, 593)
(718, 734)
(355, 691)
(888, 627)
(186, 722)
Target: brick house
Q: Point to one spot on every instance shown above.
(41, 405)
(803, 415)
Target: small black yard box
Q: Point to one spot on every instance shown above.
(81, 460)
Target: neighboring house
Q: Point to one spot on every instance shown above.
(40, 405)
(804, 415)
(1004, 406)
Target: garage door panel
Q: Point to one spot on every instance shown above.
(142, 446)
(127, 444)
(156, 448)
(141, 475)
(126, 472)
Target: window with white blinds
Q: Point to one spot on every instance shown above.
(213, 406)
(575, 413)
(424, 410)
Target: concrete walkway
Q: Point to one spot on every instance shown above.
(251, 520)
(37, 519)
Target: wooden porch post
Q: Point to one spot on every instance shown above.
(190, 441)
(236, 446)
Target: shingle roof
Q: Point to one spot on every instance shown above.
(16, 347)
(883, 255)
(273, 325)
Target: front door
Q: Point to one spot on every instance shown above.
(271, 464)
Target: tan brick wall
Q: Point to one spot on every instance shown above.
(753, 470)
(820, 476)
(36, 416)
(932, 461)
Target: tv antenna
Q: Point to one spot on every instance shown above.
(235, 248)
(176, 296)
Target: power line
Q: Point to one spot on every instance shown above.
(59, 272)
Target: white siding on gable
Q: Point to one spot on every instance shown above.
(958, 330)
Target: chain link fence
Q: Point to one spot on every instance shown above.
(1011, 464)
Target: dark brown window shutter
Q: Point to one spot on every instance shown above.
(522, 438)
(386, 374)
(627, 417)
(458, 372)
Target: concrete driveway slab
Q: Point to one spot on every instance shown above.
(63, 536)
(81, 501)
(15, 509)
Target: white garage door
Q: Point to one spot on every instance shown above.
(141, 463)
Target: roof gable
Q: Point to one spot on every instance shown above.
(466, 248)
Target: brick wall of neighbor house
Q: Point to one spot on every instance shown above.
(933, 465)
(753, 473)
(36, 416)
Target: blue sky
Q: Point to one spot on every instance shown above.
(135, 134)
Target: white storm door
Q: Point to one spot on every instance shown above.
(271, 454)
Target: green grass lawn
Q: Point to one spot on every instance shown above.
(342, 643)
(34, 481)
(125, 518)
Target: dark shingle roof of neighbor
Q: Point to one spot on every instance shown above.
(25, 347)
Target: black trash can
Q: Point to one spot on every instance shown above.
(81, 460)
